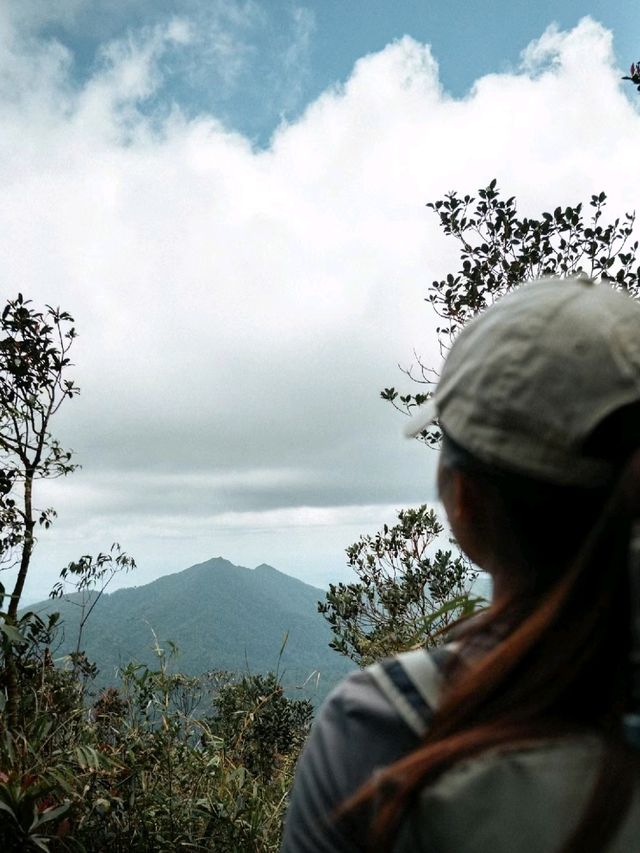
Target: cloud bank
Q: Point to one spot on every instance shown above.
(239, 309)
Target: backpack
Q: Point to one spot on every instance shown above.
(525, 799)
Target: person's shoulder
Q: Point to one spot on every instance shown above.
(355, 697)
(371, 719)
(406, 686)
(413, 681)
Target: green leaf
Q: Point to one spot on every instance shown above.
(50, 814)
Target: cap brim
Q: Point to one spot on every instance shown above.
(424, 417)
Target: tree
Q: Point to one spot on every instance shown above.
(258, 723)
(499, 250)
(34, 347)
(403, 597)
(90, 576)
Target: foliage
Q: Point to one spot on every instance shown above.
(259, 724)
(34, 347)
(183, 779)
(156, 765)
(500, 249)
(44, 761)
(90, 576)
(403, 597)
(23, 814)
(634, 74)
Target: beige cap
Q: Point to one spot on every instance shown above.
(527, 381)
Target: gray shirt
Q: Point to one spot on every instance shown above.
(357, 731)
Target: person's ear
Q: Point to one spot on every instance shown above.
(462, 498)
(455, 490)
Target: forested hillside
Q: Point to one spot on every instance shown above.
(220, 616)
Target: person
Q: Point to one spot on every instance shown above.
(521, 733)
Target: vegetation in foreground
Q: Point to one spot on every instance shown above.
(166, 762)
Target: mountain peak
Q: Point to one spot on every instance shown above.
(220, 616)
(215, 562)
(265, 567)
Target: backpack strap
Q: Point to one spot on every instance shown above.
(412, 682)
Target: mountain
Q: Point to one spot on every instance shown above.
(220, 616)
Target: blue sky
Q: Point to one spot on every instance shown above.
(230, 199)
(284, 54)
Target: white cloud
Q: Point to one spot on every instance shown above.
(31, 15)
(239, 310)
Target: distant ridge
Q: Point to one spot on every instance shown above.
(220, 616)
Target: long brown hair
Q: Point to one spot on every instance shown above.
(562, 668)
